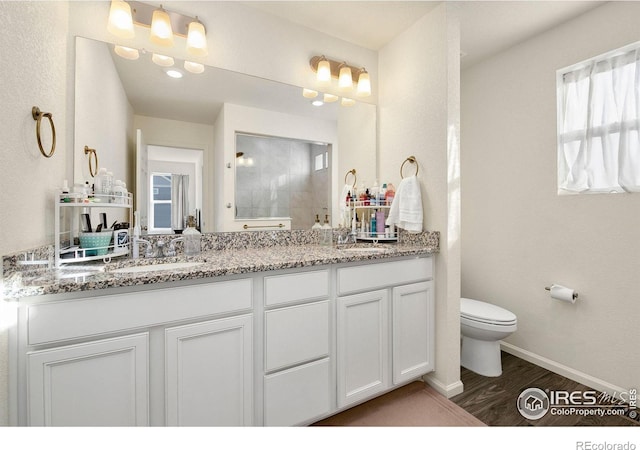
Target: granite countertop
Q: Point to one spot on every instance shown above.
(28, 282)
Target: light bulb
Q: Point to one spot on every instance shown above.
(309, 93)
(173, 73)
(161, 32)
(347, 102)
(196, 39)
(193, 67)
(161, 60)
(345, 81)
(330, 98)
(126, 52)
(120, 21)
(323, 75)
(364, 84)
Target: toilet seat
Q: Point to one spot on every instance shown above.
(477, 311)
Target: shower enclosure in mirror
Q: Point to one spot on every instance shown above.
(281, 178)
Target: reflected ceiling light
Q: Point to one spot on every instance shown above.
(120, 22)
(345, 80)
(126, 52)
(309, 93)
(317, 103)
(347, 102)
(161, 60)
(364, 84)
(197, 39)
(193, 67)
(330, 98)
(161, 31)
(173, 73)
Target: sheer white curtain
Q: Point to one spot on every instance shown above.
(599, 123)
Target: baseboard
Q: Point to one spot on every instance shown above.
(448, 390)
(560, 369)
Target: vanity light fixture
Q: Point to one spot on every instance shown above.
(161, 31)
(164, 25)
(346, 75)
(162, 60)
(330, 98)
(345, 79)
(193, 67)
(347, 101)
(364, 84)
(120, 20)
(126, 52)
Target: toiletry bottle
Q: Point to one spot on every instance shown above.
(327, 233)
(380, 223)
(372, 229)
(109, 187)
(383, 191)
(316, 226)
(99, 181)
(390, 194)
(119, 192)
(191, 237)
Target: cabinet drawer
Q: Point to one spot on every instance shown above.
(297, 395)
(282, 289)
(296, 334)
(374, 276)
(72, 319)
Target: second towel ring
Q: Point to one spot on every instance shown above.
(412, 160)
(92, 151)
(355, 178)
(37, 116)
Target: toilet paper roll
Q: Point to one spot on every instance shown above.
(563, 293)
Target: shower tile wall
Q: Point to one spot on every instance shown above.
(280, 182)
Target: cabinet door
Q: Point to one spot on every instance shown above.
(413, 331)
(209, 373)
(363, 350)
(99, 383)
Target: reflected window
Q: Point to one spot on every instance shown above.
(160, 217)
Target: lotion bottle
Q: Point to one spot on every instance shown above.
(192, 244)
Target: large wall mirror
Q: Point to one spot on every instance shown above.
(125, 107)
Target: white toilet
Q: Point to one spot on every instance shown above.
(482, 326)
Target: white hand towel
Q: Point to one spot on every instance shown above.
(406, 209)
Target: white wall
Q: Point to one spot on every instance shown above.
(419, 103)
(34, 43)
(520, 236)
(102, 111)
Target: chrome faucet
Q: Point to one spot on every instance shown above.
(148, 253)
(350, 236)
(172, 249)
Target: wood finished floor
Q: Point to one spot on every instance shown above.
(493, 399)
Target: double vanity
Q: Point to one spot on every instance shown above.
(272, 331)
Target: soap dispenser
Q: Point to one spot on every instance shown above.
(316, 226)
(191, 237)
(327, 233)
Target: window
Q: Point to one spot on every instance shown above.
(599, 124)
(160, 214)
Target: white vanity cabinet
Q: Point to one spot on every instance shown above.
(172, 356)
(99, 383)
(297, 364)
(385, 327)
(209, 373)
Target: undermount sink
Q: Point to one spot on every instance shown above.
(364, 249)
(157, 267)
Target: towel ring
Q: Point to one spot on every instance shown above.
(412, 160)
(92, 151)
(355, 178)
(37, 116)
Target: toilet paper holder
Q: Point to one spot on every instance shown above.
(575, 294)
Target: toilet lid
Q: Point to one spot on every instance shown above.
(485, 312)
